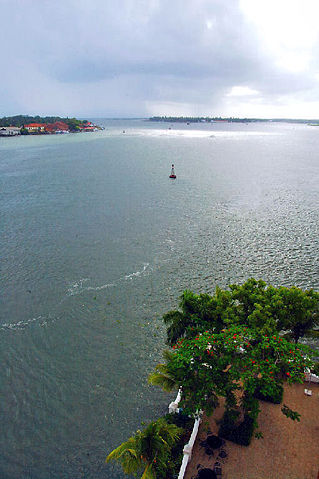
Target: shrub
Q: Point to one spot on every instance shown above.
(241, 433)
(275, 397)
(180, 420)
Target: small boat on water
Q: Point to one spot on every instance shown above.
(172, 175)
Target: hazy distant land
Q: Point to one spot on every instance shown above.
(207, 119)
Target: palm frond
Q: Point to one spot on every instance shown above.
(127, 446)
(162, 378)
(127, 455)
(168, 355)
(148, 473)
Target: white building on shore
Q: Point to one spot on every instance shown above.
(10, 131)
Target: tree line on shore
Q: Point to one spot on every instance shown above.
(21, 120)
(231, 119)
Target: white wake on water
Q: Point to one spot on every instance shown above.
(79, 286)
(74, 289)
(24, 323)
(137, 273)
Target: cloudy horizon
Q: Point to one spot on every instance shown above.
(140, 58)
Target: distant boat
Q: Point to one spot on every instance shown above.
(172, 175)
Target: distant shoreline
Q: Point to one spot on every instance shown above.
(201, 119)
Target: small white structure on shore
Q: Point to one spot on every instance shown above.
(311, 378)
(10, 131)
(173, 406)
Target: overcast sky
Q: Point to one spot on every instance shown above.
(138, 58)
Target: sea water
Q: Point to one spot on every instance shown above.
(97, 243)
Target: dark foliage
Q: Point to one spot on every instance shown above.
(241, 433)
(173, 463)
(294, 415)
(275, 397)
(180, 420)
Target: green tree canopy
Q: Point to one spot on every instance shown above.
(299, 311)
(20, 120)
(199, 312)
(213, 365)
(253, 304)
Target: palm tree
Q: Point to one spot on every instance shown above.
(177, 324)
(147, 449)
(162, 376)
(199, 312)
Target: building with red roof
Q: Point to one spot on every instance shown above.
(32, 127)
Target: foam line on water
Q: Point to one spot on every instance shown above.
(78, 287)
(98, 288)
(25, 323)
(74, 289)
(137, 273)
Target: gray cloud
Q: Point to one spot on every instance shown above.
(106, 58)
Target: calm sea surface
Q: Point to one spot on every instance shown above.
(97, 243)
